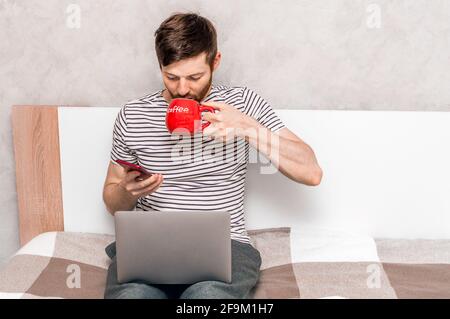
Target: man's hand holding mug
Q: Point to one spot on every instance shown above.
(184, 116)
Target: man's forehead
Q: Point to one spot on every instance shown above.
(188, 67)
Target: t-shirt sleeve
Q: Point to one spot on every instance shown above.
(120, 149)
(261, 110)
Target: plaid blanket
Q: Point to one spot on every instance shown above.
(309, 262)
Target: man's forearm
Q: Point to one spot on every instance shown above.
(294, 159)
(116, 199)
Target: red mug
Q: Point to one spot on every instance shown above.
(185, 116)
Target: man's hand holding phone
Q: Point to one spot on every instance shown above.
(138, 182)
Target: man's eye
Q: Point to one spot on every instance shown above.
(171, 78)
(195, 79)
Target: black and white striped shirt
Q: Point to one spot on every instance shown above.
(200, 173)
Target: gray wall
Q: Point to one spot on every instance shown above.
(321, 54)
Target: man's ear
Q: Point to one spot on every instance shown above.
(217, 59)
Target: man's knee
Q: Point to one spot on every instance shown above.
(134, 291)
(213, 290)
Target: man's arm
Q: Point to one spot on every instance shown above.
(115, 197)
(121, 191)
(288, 153)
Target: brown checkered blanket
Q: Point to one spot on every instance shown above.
(309, 262)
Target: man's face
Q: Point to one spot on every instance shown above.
(189, 78)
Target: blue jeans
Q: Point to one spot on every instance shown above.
(246, 262)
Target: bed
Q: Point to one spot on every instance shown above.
(297, 263)
(352, 237)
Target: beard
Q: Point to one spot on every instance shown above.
(198, 97)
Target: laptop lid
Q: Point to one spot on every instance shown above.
(173, 247)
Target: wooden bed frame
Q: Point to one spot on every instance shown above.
(38, 170)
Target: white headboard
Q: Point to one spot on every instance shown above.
(386, 174)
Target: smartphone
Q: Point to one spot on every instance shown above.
(133, 167)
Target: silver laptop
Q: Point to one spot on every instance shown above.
(173, 247)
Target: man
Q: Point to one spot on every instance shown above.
(186, 47)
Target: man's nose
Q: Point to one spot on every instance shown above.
(183, 87)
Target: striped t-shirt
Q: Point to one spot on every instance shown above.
(200, 173)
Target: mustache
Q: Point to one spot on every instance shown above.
(192, 97)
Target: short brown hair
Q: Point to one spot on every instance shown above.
(185, 35)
